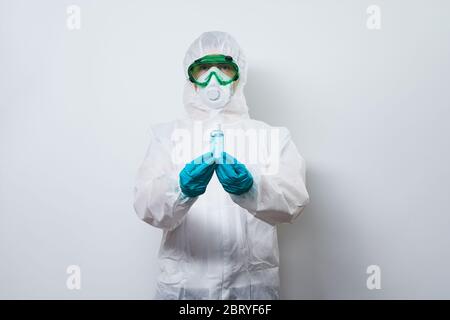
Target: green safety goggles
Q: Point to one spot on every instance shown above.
(229, 70)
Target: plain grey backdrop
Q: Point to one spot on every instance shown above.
(368, 110)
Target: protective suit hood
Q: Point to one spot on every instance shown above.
(216, 42)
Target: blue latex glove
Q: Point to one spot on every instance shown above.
(195, 176)
(233, 175)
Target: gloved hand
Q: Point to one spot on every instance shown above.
(233, 175)
(195, 176)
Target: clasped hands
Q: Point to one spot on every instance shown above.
(233, 175)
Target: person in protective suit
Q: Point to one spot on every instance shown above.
(219, 209)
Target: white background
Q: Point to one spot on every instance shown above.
(368, 110)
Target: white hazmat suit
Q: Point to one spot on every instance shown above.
(219, 245)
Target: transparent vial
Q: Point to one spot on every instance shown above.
(217, 140)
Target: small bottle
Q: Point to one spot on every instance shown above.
(217, 140)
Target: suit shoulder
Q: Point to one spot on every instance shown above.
(283, 131)
(163, 130)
